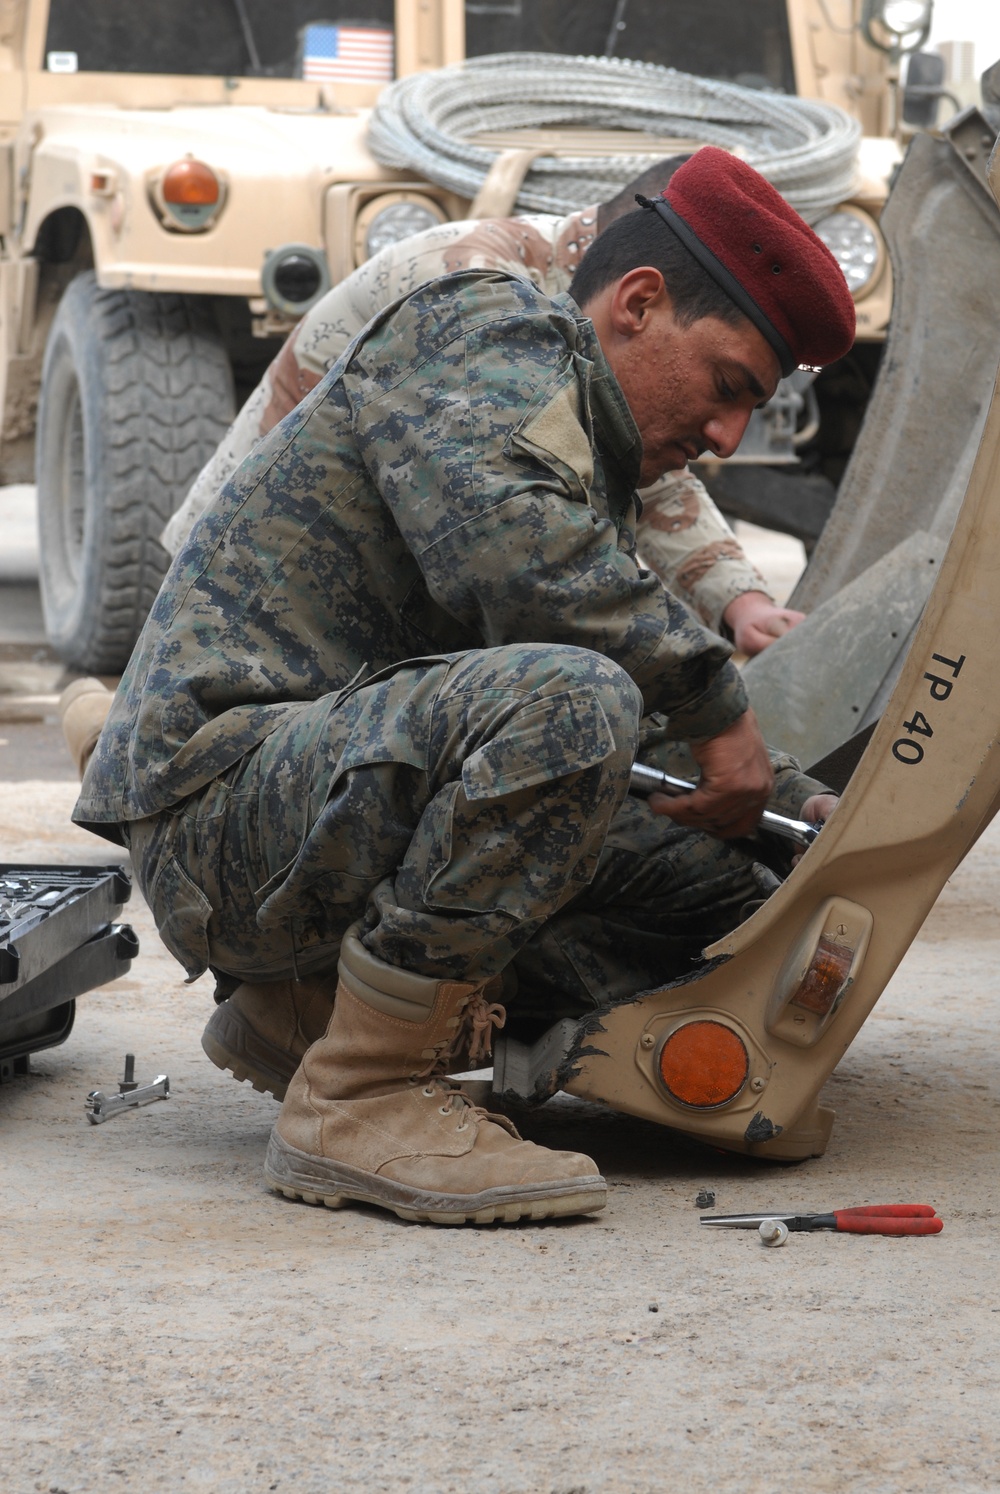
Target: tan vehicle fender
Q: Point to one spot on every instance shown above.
(782, 998)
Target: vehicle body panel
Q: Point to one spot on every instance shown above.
(925, 789)
(275, 168)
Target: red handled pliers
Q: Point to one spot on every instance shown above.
(869, 1219)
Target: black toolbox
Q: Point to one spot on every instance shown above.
(58, 938)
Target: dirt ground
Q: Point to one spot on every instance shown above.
(169, 1324)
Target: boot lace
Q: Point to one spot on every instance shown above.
(481, 1017)
(478, 1022)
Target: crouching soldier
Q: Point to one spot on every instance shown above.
(382, 716)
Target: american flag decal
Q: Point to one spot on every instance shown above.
(346, 54)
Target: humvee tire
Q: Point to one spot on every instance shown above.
(136, 394)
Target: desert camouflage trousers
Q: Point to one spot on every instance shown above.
(472, 811)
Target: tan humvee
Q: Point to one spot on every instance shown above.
(173, 197)
(107, 112)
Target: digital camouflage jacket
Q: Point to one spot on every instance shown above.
(464, 478)
(682, 536)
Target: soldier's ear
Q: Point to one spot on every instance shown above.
(635, 297)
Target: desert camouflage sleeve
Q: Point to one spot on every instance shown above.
(682, 536)
(315, 344)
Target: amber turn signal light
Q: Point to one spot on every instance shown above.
(704, 1064)
(826, 977)
(190, 183)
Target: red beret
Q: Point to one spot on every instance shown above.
(768, 260)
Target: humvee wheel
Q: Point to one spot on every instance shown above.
(136, 393)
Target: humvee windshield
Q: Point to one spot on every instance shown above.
(742, 41)
(739, 41)
(218, 37)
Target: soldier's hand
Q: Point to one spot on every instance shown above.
(755, 621)
(736, 780)
(818, 807)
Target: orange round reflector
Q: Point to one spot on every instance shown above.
(704, 1064)
(190, 183)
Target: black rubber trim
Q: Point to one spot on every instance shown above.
(724, 278)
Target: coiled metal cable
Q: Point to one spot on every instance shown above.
(808, 150)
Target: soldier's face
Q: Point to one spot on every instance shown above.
(690, 389)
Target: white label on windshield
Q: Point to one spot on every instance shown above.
(61, 62)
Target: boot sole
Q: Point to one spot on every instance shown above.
(233, 1045)
(317, 1180)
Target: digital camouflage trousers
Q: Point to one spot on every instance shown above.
(472, 812)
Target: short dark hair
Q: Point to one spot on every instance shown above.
(642, 238)
(649, 183)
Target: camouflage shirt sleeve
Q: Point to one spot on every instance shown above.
(494, 458)
(326, 330)
(682, 536)
(543, 249)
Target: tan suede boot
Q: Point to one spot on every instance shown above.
(369, 1115)
(262, 1031)
(83, 710)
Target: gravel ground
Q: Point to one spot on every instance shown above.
(169, 1324)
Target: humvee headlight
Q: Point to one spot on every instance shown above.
(856, 245)
(906, 23)
(905, 16)
(190, 194)
(294, 277)
(392, 218)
